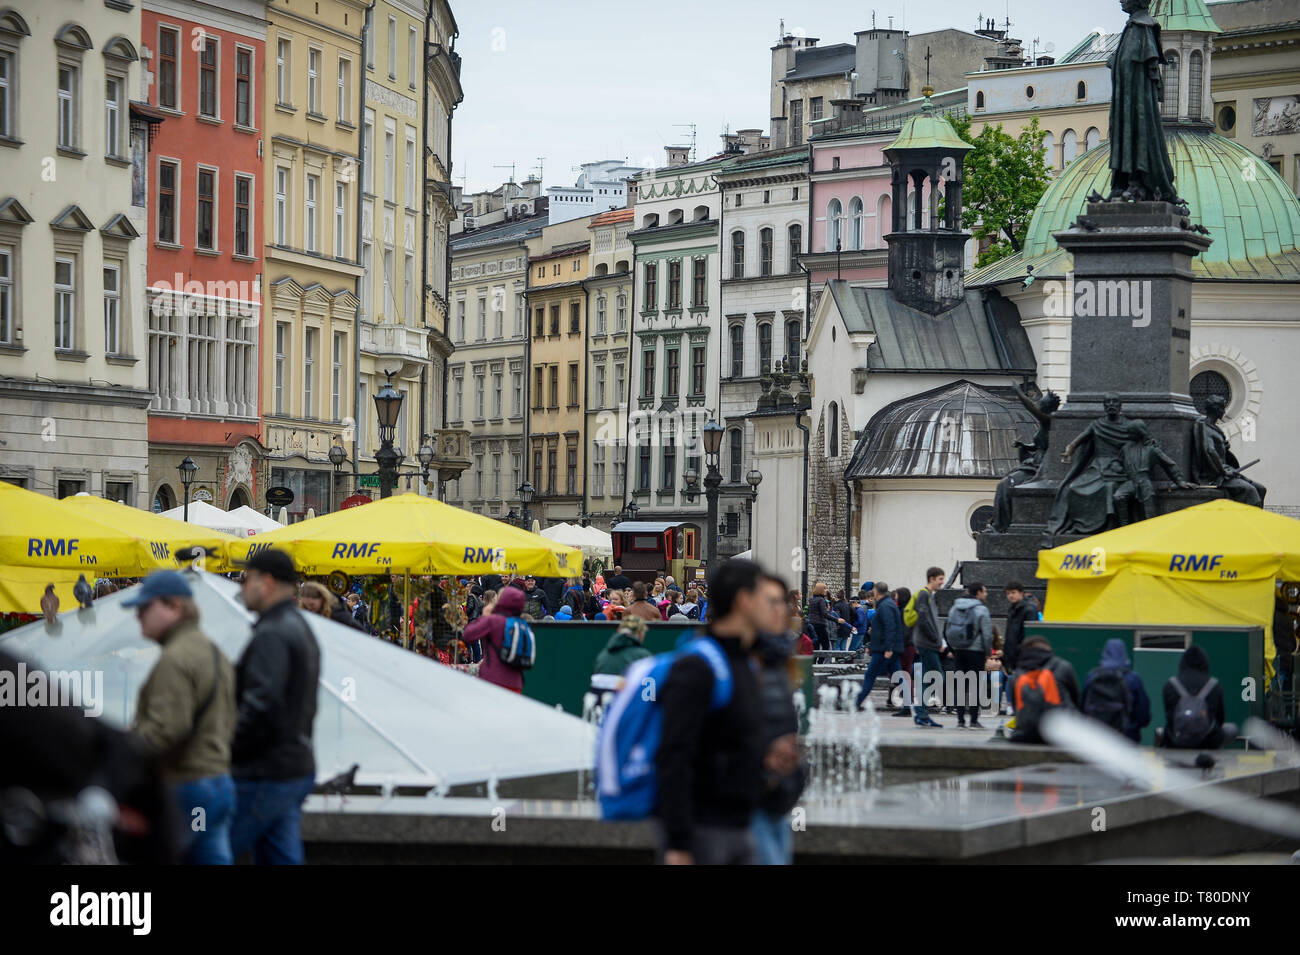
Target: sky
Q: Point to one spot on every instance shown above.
(554, 85)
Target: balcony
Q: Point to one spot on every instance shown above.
(408, 345)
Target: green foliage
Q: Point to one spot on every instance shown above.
(1004, 178)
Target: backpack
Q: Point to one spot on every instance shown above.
(693, 613)
(1035, 693)
(627, 781)
(1108, 699)
(1192, 721)
(910, 613)
(518, 645)
(960, 631)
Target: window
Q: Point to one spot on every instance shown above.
(389, 277)
(643, 467)
(620, 377)
(648, 373)
(113, 309)
(737, 441)
(600, 385)
(243, 87)
(575, 317)
(516, 392)
(1207, 383)
(737, 255)
(208, 78)
(555, 319)
(537, 388)
(537, 470)
(834, 222)
(281, 364)
(496, 394)
(367, 283)
(281, 205)
(313, 81)
(1194, 73)
(457, 398)
(815, 107)
(796, 122)
(737, 350)
(482, 319)
(392, 48)
(573, 384)
(600, 315)
(550, 471)
(283, 63)
(345, 81)
(408, 286)
(555, 386)
(672, 371)
(670, 463)
(340, 220)
(167, 76)
(1080, 90)
(412, 58)
(390, 150)
(620, 315)
(792, 338)
(651, 287)
(765, 251)
(113, 116)
(6, 93)
(1069, 147)
(572, 477)
(309, 373)
(598, 468)
(167, 173)
(67, 107)
(1169, 108)
(6, 295)
(764, 348)
(309, 208)
(368, 150)
(698, 284)
(740, 199)
(411, 168)
(697, 369)
(205, 236)
(496, 475)
(540, 325)
(478, 396)
(675, 284)
(336, 378)
(979, 98)
(795, 242)
(856, 223)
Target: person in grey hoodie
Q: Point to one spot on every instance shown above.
(929, 642)
(970, 634)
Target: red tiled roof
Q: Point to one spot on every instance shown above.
(614, 215)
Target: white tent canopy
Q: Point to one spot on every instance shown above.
(255, 519)
(592, 541)
(205, 515)
(404, 718)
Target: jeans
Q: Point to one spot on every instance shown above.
(929, 660)
(969, 661)
(267, 813)
(773, 838)
(878, 666)
(855, 642)
(209, 844)
(714, 845)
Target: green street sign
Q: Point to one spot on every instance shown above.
(368, 480)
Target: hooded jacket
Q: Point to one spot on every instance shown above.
(927, 634)
(622, 650)
(1114, 656)
(491, 630)
(1017, 616)
(1038, 658)
(1193, 673)
(971, 607)
(887, 627)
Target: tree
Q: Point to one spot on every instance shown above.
(1004, 178)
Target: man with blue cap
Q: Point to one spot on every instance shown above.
(185, 714)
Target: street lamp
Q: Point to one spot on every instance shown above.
(754, 478)
(631, 510)
(337, 456)
(526, 494)
(426, 456)
(712, 433)
(388, 406)
(187, 469)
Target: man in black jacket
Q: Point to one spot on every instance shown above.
(619, 581)
(275, 686)
(929, 644)
(710, 761)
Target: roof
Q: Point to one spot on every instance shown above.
(823, 61)
(960, 430)
(649, 527)
(501, 232)
(562, 250)
(1255, 222)
(614, 215)
(980, 334)
(1183, 15)
(1092, 48)
(929, 130)
(765, 160)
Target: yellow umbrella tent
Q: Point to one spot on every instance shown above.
(1215, 563)
(409, 534)
(164, 535)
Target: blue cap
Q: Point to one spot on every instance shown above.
(161, 583)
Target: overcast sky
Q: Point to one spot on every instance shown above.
(579, 80)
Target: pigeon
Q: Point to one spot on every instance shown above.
(1096, 196)
(81, 590)
(340, 784)
(1086, 224)
(1201, 229)
(50, 604)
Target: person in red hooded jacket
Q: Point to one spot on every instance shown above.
(490, 628)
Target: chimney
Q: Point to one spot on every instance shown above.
(678, 155)
(779, 124)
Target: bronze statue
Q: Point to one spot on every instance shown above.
(1214, 463)
(1141, 455)
(1031, 455)
(1085, 501)
(1139, 162)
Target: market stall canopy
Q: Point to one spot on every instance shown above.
(591, 541)
(405, 719)
(227, 522)
(165, 536)
(255, 519)
(1215, 563)
(39, 531)
(410, 534)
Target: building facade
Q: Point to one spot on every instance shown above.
(313, 109)
(206, 66)
(600, 187)
(74, 387)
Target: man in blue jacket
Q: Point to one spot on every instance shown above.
(886, 640)
(1116, 666)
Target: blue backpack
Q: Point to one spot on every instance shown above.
(518, 645)
(627, 781)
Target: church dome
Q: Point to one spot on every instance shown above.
(1252, 215)
(961, 430)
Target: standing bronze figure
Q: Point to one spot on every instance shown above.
(1139, 162)
(1213, 462)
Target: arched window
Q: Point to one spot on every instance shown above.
(737, 255)
(795, 236)
(1049, 150)
(737, 350)
(834, 225)
(979, 99)
(1091, 138)
(1169, 108)
(1081, 90)
(884, 220)
(1207, 383)
(765, 348)
(833, 431)
(855, 217)
(737, 454)
(764, 251)
(1069, 147)
(1194, 65)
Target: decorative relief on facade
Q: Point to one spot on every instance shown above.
(1276, 116)
(393, 100)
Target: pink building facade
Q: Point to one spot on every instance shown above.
(850, 208)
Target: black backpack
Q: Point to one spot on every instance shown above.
(1109, 700)
(1192, 721)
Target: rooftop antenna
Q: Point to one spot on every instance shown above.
(511, 167)
(541, 167)
(691, 127)
(873, 19)
(927, 67)
(891, 23)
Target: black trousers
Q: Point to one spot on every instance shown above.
(968, 662)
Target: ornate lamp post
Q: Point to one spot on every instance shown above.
(426, 454)
(712, 433)
(187, 469)
(388, 406)
(754, 478)
(337, 457)
(526, 494)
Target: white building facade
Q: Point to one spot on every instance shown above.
(602, 186)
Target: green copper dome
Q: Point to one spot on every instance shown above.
(925, 130)
(1252, 215)
(1184, 15)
